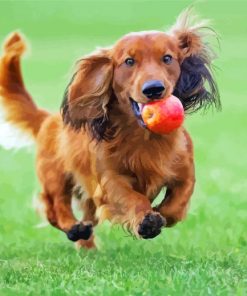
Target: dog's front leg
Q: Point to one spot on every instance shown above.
(179, 190)
(128, 207)
(175, 204)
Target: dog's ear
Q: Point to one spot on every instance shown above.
(88, 94)
(196, 86)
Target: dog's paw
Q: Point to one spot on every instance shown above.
(151, 225)
(80, 231)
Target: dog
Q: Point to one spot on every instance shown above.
(98, 148)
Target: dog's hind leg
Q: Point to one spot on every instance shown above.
(57, 183)
(57, 198)
(59, 214)
(89, 209)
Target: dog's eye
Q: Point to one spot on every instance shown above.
(129, 62)
(167, 59)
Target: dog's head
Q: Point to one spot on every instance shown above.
(141, 67)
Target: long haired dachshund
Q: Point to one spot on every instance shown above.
(98, 148)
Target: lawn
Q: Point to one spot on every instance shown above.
(204, 255)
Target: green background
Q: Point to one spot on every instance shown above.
(204, 255)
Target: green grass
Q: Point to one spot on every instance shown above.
(206, 254)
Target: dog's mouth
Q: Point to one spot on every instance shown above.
(137, 109)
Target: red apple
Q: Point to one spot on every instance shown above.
(163, 116)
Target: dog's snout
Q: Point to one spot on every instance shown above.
(153, 89)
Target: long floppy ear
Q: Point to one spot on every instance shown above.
(88, 94)
(196, 86)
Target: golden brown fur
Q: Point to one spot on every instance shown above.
(97, 141)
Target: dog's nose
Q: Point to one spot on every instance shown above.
(153, 89)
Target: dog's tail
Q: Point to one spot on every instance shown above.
(17, 107)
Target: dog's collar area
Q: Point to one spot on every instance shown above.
(137, 108)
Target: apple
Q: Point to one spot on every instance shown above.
(163, 116)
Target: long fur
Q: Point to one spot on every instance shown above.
(96, 143)
(196, 86)
(20, 119)
(87, 104)
(11, 136)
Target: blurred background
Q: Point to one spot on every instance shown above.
(204, 255)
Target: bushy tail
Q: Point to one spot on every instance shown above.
(18, 107)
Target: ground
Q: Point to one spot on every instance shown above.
(204, 255)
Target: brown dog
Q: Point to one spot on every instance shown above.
(99, 148)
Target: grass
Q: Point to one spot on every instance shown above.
(206, 254)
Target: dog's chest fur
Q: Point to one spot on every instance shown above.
(149, 159)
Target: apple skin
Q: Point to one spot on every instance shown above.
(163, 116)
